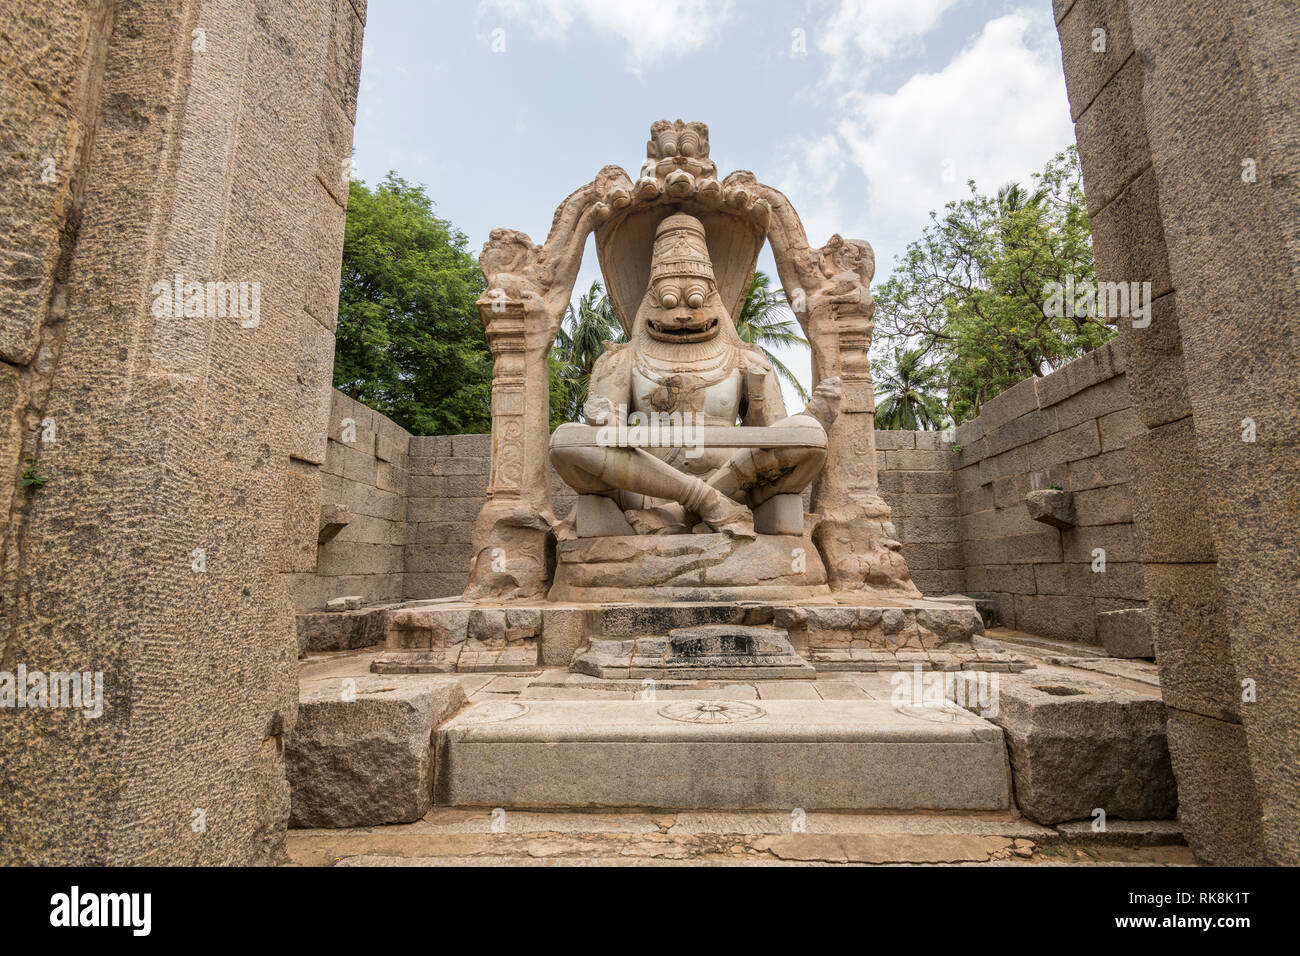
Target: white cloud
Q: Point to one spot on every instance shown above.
(810, 179)
(652, 29)
(995, 113)
(863, 32)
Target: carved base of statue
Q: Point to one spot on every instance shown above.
(690, 567)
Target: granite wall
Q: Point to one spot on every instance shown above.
(1186, 124)
(363, 517)
(1067, 430)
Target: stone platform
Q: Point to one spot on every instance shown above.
(846, 631)
(721, 755)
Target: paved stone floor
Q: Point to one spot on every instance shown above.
(456, 836)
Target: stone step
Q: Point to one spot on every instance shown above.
(721, 755)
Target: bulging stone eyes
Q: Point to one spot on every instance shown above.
(695, 299)
(669, 299)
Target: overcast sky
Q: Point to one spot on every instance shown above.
(867, 114)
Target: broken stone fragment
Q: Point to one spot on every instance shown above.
(1051, 506)
(349, 603)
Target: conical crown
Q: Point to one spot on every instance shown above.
(680, 249)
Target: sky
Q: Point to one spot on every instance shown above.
(867, 114)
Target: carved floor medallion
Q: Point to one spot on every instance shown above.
(711, 711)
(493, 712)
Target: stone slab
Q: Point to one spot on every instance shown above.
(361, 751)
(1078, 745)
(773, 754)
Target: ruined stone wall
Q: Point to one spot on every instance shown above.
(1069, 430)
(364, 489)
(142, 141)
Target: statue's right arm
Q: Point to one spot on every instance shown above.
(611, 378)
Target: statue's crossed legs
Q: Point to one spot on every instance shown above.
(723, 501)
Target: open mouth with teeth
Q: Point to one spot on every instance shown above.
(684, 333)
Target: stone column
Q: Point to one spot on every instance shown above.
(1185, 118)
(207, 140)
(512, 551)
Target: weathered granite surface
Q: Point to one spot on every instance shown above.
(362, 752)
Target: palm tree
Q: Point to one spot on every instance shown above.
(765, 319)
(581, 340)
(906, 394)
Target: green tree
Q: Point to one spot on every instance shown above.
(907, 393)
(766, 320)
(587, 326)
(970, 294)
(409, 342)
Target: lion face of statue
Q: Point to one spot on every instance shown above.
(683, 308)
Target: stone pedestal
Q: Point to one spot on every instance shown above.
(688, 567)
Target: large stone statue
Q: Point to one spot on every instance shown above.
(721, 516)
(685, 363)
(714, 535)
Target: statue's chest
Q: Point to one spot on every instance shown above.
(714, 393)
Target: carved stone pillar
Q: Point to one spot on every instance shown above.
(511, 548)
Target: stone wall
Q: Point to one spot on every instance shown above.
(140, 141)
(1190, 149)
(916, 480)
(1067, 430)
(364, 488)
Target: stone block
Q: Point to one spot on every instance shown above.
(1112, 468)
(1019, 399)
(1069, 617)
(1189, 627)
(917, 483)
(1031, 426)
(362, 754)
(565, 630)
(1052, 507)
(340, 631)
(1111, 134)
(1126, 633)
(1100, 506)
(1080, 745)
(780, 514)
(1218, 805)
(1157, 380)
(597, 516)
(887, 439)
(1118, 428)
(1088, 69)
(1109, 395)
(1172, 518)
(841, 754)
(1129, 240)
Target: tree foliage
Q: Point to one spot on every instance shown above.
(969, 295)
(766, 320)
(907, 393)
(409, 342)
(587, 326)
